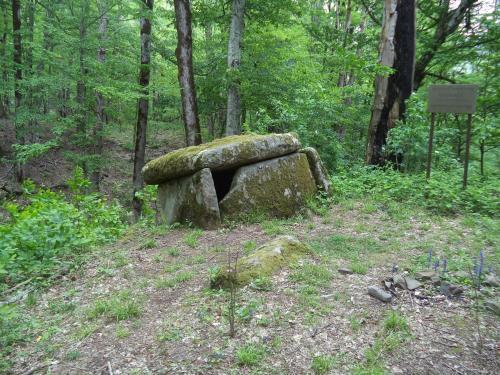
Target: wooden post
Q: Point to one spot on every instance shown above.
(431, 136)
(467, 149)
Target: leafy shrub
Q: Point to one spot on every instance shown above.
(442, 193)
(50, 229)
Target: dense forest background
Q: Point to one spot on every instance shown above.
(70, 82)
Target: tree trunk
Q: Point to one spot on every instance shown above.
(18, 77)
(233, 118)
(4, 93)
(448, 22)
(482, 150)
(342, 82)
(100, 101)
(397, 51)
(184, 53)
(142, 110)
(31, 105)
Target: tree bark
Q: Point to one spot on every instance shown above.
(233, 118)
(4, 93)
(100, 101)
(397, 51)
(142, 110)
(449, 20)
(184, 54)
(18, 77)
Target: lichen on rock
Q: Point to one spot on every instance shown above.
(264, 261)
(221, 154)
(278, 187)
(191, 198)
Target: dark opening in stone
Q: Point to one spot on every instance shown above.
(222, 182)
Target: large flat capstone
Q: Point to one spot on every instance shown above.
(191, 198)
(221, 154)
(278, 187)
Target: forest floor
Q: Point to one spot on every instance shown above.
(143, 305)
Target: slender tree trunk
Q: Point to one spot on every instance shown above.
(31, 131)
(100, 101)
(142, 110)
(18, 77)
(184, 53)
(81, 120)
(233, 118)
(347, 32)
(4, 93)
(397, 50)
(482, 150)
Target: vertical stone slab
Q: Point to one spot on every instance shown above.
(318, 169)
(278, 187)
(191, 198)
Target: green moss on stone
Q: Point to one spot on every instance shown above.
(223, 153)
(264, 261)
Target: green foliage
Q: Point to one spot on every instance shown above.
(322, 364)
(120, 306)
(13, 330)
(65, 227)
(250, 354)
(191, 239)
(442, 194)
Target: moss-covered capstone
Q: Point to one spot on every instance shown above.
(318, 170)
(278, 187)
(264, 261)
(221, 154)
(191, 198)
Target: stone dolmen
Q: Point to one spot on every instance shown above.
(236, 175)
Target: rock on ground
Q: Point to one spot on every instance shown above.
(190, 198)
(318, 170)
(221, 154)
(278, 187)
(379, 293)
(268, 258)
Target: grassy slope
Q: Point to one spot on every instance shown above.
(142, 305)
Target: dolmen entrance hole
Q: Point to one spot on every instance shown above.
(236, 175)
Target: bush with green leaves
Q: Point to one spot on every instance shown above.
(442, 193)
(46, 230)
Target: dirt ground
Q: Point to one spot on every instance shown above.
(144, 306)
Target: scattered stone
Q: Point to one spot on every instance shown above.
(345, 271)
(265, 260)
(278, 187)
(221, 154)
(493, 306)
(435, 280)
(379, 294)
(462, 275)
(425, 275)
(491, 280)
(450, 290)
(318, 169)
(191, 198)
(405, 282)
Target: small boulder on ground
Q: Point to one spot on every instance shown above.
(379, 293)
(264, 261)
(345, 271)
(318, 170)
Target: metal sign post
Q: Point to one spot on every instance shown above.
(452, 99)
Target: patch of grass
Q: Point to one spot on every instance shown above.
(170, 268)
(263, 283)
(120, 306)
(191, 239)
(149, 244)
(321, 364)
(218, 249)
(61, 306)
(170, 333)
(250, 354)
(273, 227)
(172, 251)
(395, 322)
(119, 260)
(311, 274)
(85, 331)
(359, 268)
(355, 323)
(177, 279)
(122, 332)
(249, 246)
(73, 355)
